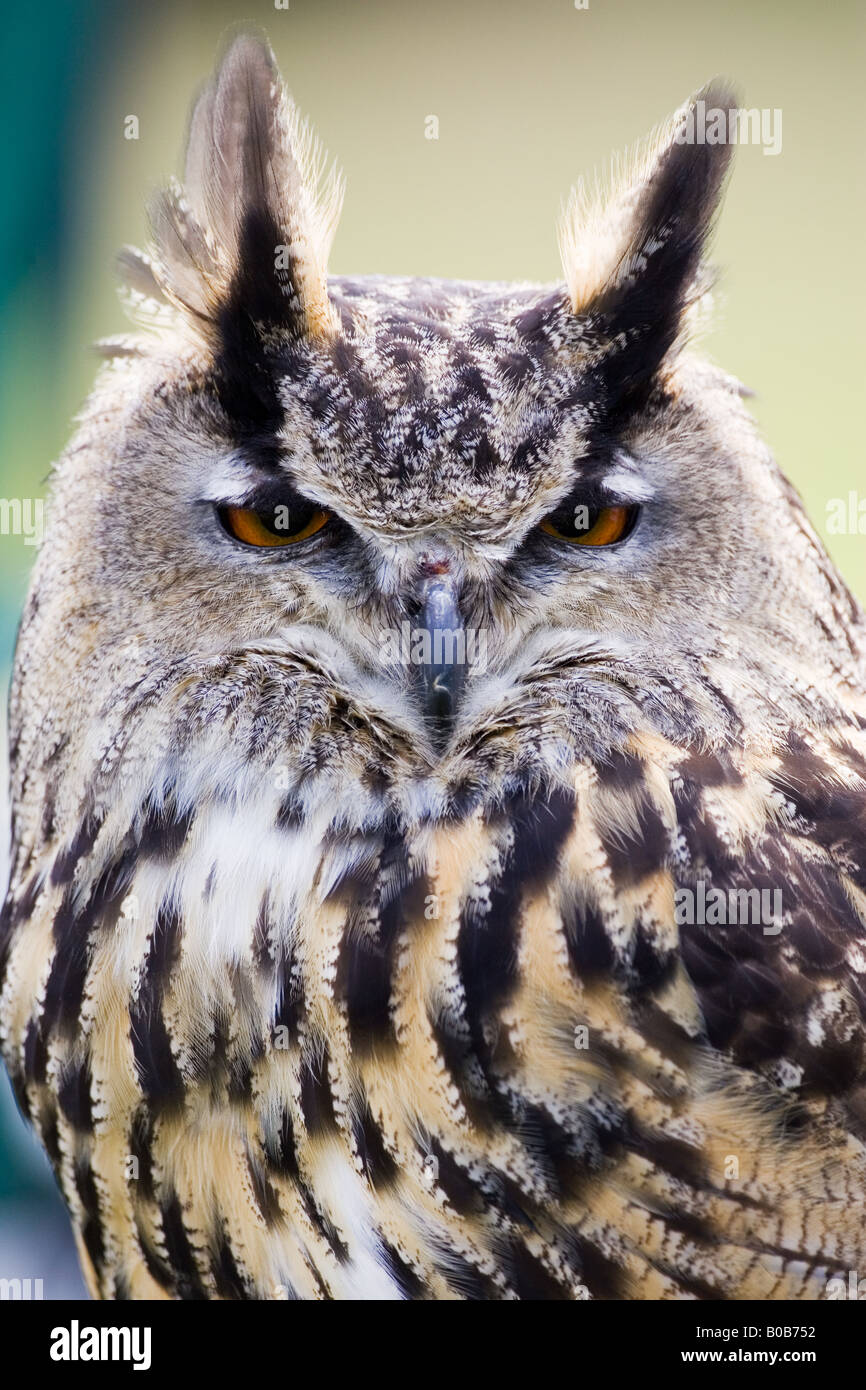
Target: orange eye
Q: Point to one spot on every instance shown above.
(580, 525)
(274, 526)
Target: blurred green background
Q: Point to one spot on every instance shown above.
(527, 95)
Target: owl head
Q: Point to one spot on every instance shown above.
(290, 484)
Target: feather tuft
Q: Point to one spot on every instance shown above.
(251, 228)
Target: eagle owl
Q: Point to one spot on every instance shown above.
(438, 750)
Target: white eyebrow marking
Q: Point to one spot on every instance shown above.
(230, 476)
(626, 483)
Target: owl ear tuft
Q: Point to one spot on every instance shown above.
(633, 257)
(247, 236)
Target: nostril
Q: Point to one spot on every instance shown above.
(430, 563)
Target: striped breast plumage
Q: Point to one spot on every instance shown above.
(504, 1052)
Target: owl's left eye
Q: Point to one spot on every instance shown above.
(585, 525)
(284, 523)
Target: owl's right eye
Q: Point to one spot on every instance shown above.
(281, 524)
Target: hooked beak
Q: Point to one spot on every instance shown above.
(443, 669)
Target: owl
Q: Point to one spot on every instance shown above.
(438, 747)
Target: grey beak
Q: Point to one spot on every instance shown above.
(443, 675)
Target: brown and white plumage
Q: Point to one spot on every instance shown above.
(312, 992)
